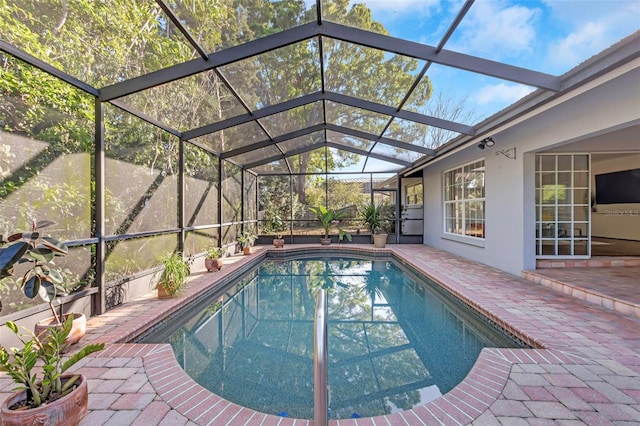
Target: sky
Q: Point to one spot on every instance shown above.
(550, 36)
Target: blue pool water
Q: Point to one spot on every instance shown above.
(395, 341)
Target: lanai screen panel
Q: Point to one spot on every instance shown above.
(312, 161)
(217, 24)
(395, 152)
(276, 76)
(409, 132)
(250, 202)
(274, 167)
(201, 183)
(256, 155)
(465, 97)
(302, 142)
(98, 42)
(294, 119)
(367, 73)
(366, 15)
(188, 103)
(339, 161)
(233, 137)
(46, 149)
(141, 175)
(275, 198)
(131, 256)
(356, 118)
(348, 140)
(379, 166)
(201, 186)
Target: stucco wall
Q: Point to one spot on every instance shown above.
(597, 116)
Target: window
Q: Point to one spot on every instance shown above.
(414, 194)
(464, 200)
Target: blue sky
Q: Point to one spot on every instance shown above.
(543, 35)
(550, 36)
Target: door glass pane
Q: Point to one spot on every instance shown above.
(562, 205)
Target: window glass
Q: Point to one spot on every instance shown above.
(464, 200)
(414, 194)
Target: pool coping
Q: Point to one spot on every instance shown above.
(465, 403)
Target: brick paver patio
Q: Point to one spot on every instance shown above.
(584, 368)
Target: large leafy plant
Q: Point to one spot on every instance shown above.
(371, 217)
(42, 277)
(18, 363)
(327, 217)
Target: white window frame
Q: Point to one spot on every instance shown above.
(477, 232)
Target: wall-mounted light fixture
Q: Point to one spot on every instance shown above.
(509, 153)
(486, 142)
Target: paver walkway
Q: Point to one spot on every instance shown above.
(585, 368)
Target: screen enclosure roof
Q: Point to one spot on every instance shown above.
(268, 85)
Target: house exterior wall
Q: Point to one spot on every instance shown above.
(593, 118)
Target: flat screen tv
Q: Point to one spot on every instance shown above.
(618, 187)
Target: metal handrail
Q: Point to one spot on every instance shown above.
(320, 363)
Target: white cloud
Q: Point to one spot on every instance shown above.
(578, 46)
(493, 29)
(503, 93)
(591, 29)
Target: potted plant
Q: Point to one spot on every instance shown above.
(277, 226)
(42, 277)
(173, 278)
(51, 398)
(372, 219)
(326, 218)
(213, 258)
(246, 240)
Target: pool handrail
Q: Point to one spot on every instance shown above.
(320, 363)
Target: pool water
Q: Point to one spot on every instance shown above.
(394, 340)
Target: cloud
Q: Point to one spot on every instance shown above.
(579, 45)
(503, 93)
(590, 30)
(493, 29)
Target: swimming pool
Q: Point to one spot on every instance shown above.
(395, 340)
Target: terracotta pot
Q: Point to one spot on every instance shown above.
(278, 242)
(246, 250)
(67, 411)
(78, 328)
(213, 264)
(379, 240)
(325, 241)
(162, 292)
